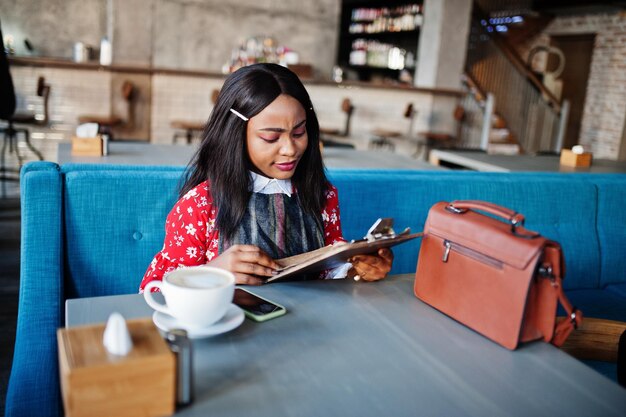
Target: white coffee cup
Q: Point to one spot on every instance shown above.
(197, 296)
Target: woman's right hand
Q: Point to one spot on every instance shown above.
(247, 263)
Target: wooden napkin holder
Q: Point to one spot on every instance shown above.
(576, 160)
(87, 146)
(97, 383)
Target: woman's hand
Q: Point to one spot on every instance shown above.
(247, 263)
(372, 267)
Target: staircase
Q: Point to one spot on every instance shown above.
(520, 114)
(498, 138)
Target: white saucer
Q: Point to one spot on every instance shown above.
(231, 320)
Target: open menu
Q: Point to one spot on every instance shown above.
(336, 255)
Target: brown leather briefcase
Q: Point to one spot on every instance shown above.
(493, 275)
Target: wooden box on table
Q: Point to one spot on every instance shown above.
(97, 383)
(87, 146)
(577, 160)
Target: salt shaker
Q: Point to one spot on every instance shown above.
(105, 144)
(181, 346)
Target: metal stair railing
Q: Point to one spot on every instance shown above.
(533, 115)
(473, 125)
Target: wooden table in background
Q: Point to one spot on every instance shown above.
(179, 155)
(481, 161)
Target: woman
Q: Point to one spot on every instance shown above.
(256, 189)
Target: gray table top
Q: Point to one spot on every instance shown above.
(152, 154)
(372, 349)
(480, 161)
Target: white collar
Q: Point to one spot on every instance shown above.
(264, 185)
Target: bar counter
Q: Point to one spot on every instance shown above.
(164, 96)
(51, 62)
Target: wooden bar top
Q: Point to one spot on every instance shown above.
(24, 61)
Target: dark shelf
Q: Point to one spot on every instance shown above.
(406, 39)
(372, 67)
(382, 34)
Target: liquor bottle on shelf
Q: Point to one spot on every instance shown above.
(380, 20)
(380, 42)
(377, 55)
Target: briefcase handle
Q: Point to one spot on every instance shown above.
(511, 216)
(514, 218)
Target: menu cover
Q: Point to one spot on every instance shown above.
(333, 256)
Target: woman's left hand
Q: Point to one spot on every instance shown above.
(372, 267)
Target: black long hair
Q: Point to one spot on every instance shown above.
(222, 157)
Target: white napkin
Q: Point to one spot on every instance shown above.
(116, 338)
(87, 130)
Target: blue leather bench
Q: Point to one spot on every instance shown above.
(91, 230)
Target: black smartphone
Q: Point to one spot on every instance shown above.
(255, 307)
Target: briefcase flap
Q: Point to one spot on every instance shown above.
(483, 234)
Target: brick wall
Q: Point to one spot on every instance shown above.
(183, 98)
(604, 114)
(170, 97)
(73, 93)
(189, 98)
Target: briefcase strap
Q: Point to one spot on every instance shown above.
(565, 327)
(553, 269)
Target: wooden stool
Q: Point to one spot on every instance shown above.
(433, 140)
(595, 339)
(187, 128)
(11, 131)
(348, 109)
(381, 137)
(106, 123)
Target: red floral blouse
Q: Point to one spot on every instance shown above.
(191, 237)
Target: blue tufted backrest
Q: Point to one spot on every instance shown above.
(612, 228)
(561, 207)
(114, 224)
(115, 216)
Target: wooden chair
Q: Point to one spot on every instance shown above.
(434, 140)
(382, 137)
(327, 135)
(107, 123)
(599, 340)
(186, 128)
(26, 118)
(348, 109)
(189, 128)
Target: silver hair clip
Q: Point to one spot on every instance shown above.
(241, 116)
